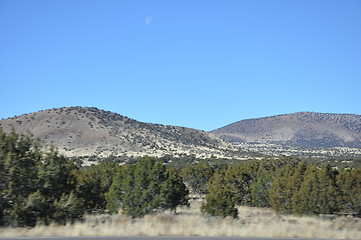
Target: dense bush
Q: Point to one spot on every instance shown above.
(41, 187)
(93, 183)
(36, 187)
(287, 185)
(197, 176)
(228, 188)
(144, 188)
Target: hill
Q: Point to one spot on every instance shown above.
(302, 129)
(81, 131)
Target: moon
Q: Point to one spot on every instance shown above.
(148, 20)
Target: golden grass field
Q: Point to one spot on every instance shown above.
(259, 222)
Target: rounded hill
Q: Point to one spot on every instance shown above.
(302, 129)
(80, 131)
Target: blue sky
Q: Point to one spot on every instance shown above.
(199, 64)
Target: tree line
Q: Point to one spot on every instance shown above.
(41, 186)
(287, 185)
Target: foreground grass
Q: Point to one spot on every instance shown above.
(189, 221)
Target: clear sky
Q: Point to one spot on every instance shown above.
(200, 64)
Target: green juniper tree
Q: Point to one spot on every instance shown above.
(285, 185)
(349, 185)
(228, 188)
(318, 193)
(33, 182)
(260, 188)
(173, 191)
(220, 201)
(92, 183)
(328, 190)
(145, 188)
(197, 176)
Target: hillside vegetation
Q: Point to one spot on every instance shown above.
(43, 187)
(287, 185)
(92, 134)
(81, 131)
(303, 129)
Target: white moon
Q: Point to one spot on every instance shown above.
(148, 20)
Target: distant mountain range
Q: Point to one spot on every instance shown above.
(82, 131)
(302, 129)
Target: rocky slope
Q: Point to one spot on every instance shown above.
(302, 129)
(79, 131)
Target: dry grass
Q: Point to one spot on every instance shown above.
(252, 222)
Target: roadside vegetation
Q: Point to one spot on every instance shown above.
(43, 188)
(251, 221)
(288, 185)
